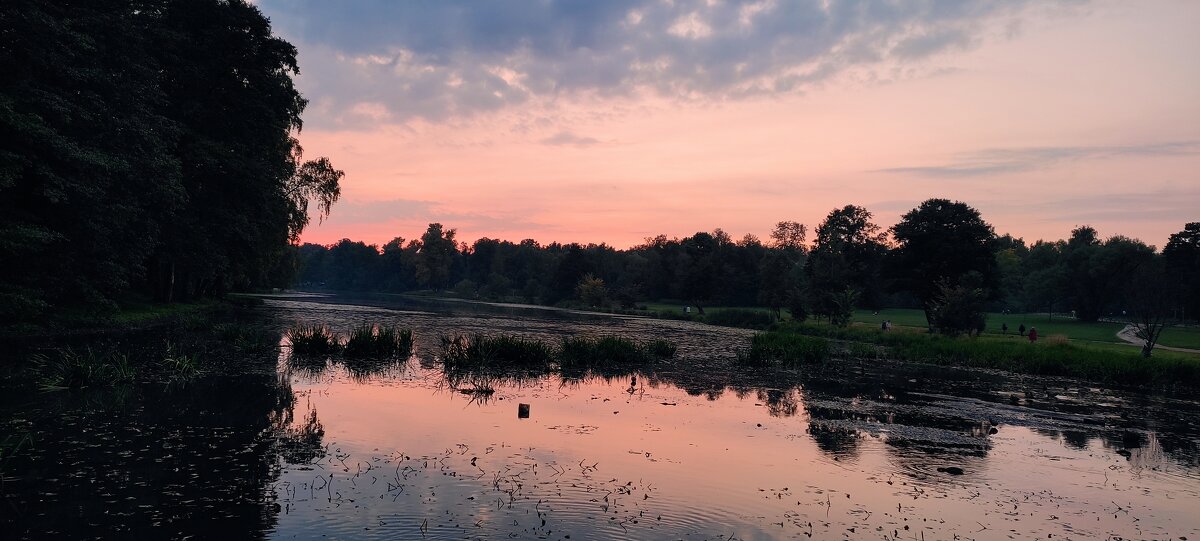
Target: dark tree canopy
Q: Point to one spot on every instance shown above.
(147, 146)
(848, 253)
(943, 244)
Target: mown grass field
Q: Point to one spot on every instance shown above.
(1101, 332)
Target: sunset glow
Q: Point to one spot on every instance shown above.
(1042, 116)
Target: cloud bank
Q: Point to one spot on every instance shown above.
(373, 61)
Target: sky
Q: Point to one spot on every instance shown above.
(617, 120)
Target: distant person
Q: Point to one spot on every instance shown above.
(1021, 329)
(1004, 328)
(887, 325)
(883, 326)
(1032, 335)
(687, 309)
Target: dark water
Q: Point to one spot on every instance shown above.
(683, 449)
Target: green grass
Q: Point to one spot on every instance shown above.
(138, 312)
(71, 369)
(585, 351)
(377, 341)
(312, 340)
(1104, 362)
(479, 351)
(785, 348)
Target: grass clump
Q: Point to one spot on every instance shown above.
(180, 365)
(70, 369)
(585, 351)
(377, 341)
(504, 350)
(787, 349)
(312, 340)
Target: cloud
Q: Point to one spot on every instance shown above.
(1013, 160)
(565, 138)
(436, 60)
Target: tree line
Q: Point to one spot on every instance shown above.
(147, 149)
(942, 257)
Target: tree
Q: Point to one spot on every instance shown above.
(848, 253)
(938, 244)
(1096, 271)
(592, 291)
(789, 236)
(1152, 300)
(435, 257)
(959, 309)
(1182, 259)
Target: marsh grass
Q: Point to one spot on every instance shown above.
(180, 365)
(459, 351)
(312, 340)
(377, 341)
(68, 368)
(786, 349)
(586, 351)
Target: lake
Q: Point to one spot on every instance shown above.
(691, 447)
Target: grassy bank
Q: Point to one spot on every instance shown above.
(1109, 363)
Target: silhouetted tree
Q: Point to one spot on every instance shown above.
(1182, 258)
(938, 243)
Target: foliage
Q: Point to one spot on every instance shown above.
(147, 147)
(376, 341)
(1182, 257)
(848, 254)
(312, 340)
(584, 351)
(591, 291)
(460, 352)
(787, 349)
(940, 242)
(958, 309)
(1152, 300)
(71, 369)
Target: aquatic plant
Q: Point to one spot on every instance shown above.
(378, 342)
(315, 339)
(504, 350)
(70, 369)
(180, 365)
(786, 349)
(586, 351)
(662, 349)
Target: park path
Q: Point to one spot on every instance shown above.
(1129, 334)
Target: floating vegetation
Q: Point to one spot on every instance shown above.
(70, 369)
(505, 350)
(773, 348)
(312, 340)
(377, 341)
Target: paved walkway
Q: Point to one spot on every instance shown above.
(1129, 334)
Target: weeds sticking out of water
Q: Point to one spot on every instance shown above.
(504, 350)
(181, 365)
(773, 348)
(312, 340)
(377, 341)
(70, 369)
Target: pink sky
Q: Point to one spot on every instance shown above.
(1043, 119)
